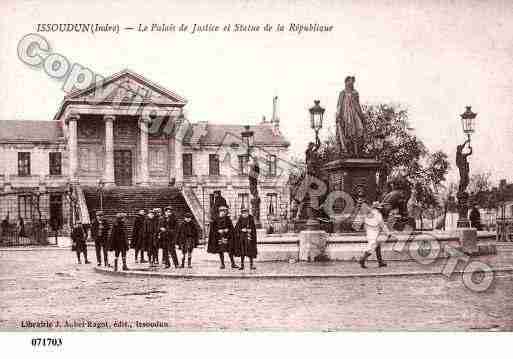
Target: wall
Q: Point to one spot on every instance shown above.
(230, 182)
(39, 164)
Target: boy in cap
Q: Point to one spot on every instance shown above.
(374, 226)
(221, 237)
(78, 237)
(138, 235)
(245, 238)
(100, 234)
(187, 238)
(219, 201)
(119, 240)
(151, 232)
(168, 227)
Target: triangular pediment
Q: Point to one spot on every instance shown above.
(126, 86)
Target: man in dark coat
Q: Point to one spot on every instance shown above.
(138, 235)
(100, 234)
(221, 237)
(151, 232)
(219, 201)
(245, 238)
(475, 218)
(168, 227)
(187, 238)
(119, 240)
(78, 237)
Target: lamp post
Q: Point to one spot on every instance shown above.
(253, 172)
(316, 118)
(201, 183)
(468, 123)
(100, 186)
(379, 144)
(69, 193)
(312, 162)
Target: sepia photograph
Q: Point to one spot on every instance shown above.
(255, 166)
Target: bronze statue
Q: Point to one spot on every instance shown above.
(350, 120)
(312, 157)
(397, 197)
(463, 166)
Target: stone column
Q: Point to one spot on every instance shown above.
(143, 164)
(171, 161)
(73, 146)
(179, 135)
(108, 175)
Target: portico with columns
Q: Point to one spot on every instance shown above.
(123, 132)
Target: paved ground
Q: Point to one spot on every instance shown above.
(48, 285)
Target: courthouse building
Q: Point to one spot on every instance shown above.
(98, 151)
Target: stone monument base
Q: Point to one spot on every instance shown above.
(468, 240)
(356, 178)
(312, 245)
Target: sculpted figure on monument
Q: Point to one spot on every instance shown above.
(312, 157)
(463, 166)
(350, 121)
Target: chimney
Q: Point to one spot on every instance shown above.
(275, 120)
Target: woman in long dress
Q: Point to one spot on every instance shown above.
(350, 120)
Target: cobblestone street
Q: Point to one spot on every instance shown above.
(48, 285)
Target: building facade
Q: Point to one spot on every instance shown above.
(128, 132)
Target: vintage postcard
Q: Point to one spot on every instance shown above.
(285, 166)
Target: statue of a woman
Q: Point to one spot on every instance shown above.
(463, 166)
(350, 120)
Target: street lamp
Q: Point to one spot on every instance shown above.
(316, 118)
(468, 121)
(100, 186)
(202, 183)
(248, 140)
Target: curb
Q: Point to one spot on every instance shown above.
(46, 247)
(139, 274)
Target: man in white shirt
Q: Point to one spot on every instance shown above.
(374, 226)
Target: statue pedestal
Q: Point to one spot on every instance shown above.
(354, 176)
(463, 221)
(468, 240)
(312, 245)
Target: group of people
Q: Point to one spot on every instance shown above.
(238, 241)
(153, 231)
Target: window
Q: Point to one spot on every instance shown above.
(25, 206)
(89, 161)
(271, 162)
(273, 204)
(243, 164)
(23, 163)
(187, 164)
(213, 164)
(55, 161)
(157, 159)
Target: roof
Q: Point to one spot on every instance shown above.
(216, 134)
(27, 130)
(128, 73)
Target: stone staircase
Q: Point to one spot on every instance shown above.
(131, 199)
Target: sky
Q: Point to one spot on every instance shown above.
(434, 57)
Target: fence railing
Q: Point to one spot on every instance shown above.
(30, 234)
(504, 229)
